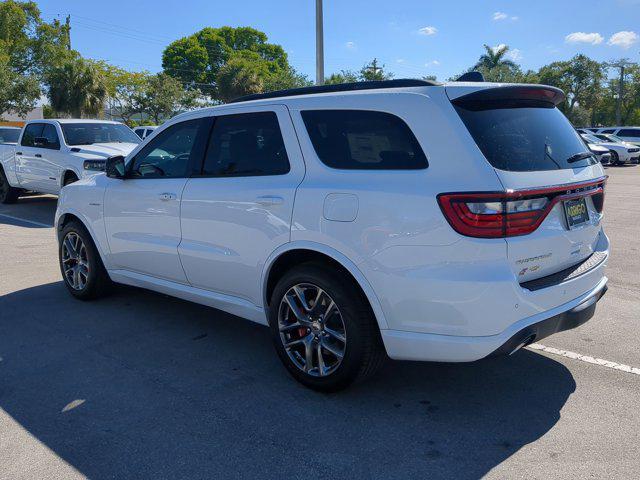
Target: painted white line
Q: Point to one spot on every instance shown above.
(585, 358)
(18, 219)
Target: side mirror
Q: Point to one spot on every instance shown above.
(114, 167)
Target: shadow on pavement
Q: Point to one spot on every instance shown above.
(30, 208)
(143, 385)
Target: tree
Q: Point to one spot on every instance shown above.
(197, 60)
(124, 89)
(77, 87)
(240, 77)
(163, 96)
(286, 78)
(581, 79)
(18, 93)
(493, 58)
(372, 71)
(344, 76)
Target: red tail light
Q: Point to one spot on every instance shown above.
(514, 212)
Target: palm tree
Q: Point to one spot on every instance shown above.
(493, 58)
(77, 87)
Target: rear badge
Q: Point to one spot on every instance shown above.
(533, 259)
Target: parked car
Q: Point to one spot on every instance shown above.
(632, 148)
(621, 152)
(53, 153)
(145, 131)
(602, 153)
(628, 134)
(9, 135)
(351, 226)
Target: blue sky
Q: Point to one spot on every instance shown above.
(411, 37)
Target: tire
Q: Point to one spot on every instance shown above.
(614, 158)
(8, 194)
(92, 281)
(69, 179)
(361, 348)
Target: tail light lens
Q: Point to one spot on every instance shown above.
(511, 213)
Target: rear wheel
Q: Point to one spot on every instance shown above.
(615, 159)
(82, 270)
(8, 194)
(323, 328)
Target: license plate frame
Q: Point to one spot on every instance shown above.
(576, 212)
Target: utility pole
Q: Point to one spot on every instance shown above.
(374, 68)
(319, 44)
(67, 24)
(620, 65)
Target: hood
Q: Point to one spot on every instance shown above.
(105, 149)
(596, 148)
(614, 146)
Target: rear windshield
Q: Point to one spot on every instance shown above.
(525, 139)
(9, 135)
(88, 133)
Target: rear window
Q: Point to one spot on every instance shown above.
(629, 133)
(9, 135)
(524, 138)
(363, 140)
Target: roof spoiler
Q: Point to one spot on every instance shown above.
(496, 97)
(472, 76)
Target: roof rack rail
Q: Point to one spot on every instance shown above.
(341, 87)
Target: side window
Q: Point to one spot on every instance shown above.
(51, 136)
(139, 132)
(629, 133)
(170, 154)
(31, 132)
(363, 140)
(246, 144)
(607, 131)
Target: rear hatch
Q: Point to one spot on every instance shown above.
(551, 208)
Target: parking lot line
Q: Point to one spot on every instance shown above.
(18, 219)
(585, 358)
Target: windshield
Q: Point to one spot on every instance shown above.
(9, 135)
(604, 138)
(525, 138)
(88, 133)
(591, 138)
(615, 139)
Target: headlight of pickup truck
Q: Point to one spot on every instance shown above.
(97, 165)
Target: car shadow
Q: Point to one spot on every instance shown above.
(30, 211)
(143, 385)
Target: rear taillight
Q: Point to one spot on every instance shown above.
(511, 213)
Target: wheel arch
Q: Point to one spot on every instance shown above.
(292, 254)
(64, 218)
(65, 174)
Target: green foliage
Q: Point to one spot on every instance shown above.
(162, 97)
(344, 76)
(286, 78)
(369, 72)
(18, 93)
(77, 87)
(208, 57)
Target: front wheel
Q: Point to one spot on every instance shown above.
(615, 159)
(323, 328)
(82, 270)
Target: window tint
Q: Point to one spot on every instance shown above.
(366, 140)
(629, 132)
(608, 131)
(247, 144)
(603, 138)
(169, 154)
(9, 135)
(51, 136)
(522, 139)
(139, 132)
(31, 131)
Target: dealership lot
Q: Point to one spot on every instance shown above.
(140, 384)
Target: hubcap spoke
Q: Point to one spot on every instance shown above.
(312, 330)
(75, 263)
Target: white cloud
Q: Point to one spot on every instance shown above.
(498, 47)
(498, 16)
(428, 31)
(433, 63)
(350, 45)
(514, 54)
(582, 37)
(400, 60)
(623, 39)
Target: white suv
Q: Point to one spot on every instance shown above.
(425, 221)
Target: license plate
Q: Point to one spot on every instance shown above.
(576, 212)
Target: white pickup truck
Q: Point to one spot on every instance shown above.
(53, 153)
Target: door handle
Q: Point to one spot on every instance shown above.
(18, 153)
(165, 197)
(268, 200)
(37, 155)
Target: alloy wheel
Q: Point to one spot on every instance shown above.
(75, 263)
(312, 329)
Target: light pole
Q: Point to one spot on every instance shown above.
(319, 45)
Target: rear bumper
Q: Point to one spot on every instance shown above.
(401, 345)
